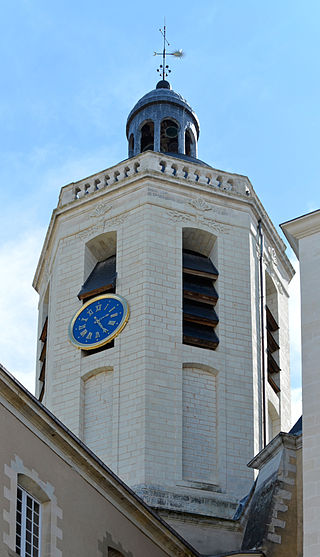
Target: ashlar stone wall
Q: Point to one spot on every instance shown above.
(142, 210)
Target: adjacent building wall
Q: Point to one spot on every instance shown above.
(303, 234)
(85, 509)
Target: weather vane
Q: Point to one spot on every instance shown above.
(164, 68)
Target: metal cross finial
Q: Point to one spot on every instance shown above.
(164, 68)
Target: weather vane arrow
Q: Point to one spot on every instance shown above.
(164, 68)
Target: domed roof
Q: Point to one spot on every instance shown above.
(162, 94)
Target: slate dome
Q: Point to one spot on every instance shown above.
(163, 121)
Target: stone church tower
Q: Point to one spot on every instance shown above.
(198, 379)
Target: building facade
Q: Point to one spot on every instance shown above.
(303, 234)
(197, 381)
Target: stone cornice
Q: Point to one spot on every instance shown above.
(200, 179)
(286, 440)
(301, 227)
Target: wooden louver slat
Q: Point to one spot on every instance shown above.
(43, 336)
(272, 364)
(204, 337)
(42, 392)
(272, 324)
(199, 265)
(43, 372)
(200, 313)
(101, 280)
(273, 384)
(199, 290)
(273, 346)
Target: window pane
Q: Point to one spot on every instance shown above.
(27, 524)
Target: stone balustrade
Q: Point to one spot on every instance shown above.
(154, 162)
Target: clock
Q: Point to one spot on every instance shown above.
(99, 321)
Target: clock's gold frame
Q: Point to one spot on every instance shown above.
(122, 324)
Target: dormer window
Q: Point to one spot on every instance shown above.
(147, 137)
(169, 137)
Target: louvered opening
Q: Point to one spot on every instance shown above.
(272, 350)
(102, 280)
(42, 357)
(199, 299)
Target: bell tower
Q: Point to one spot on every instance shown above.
(191, 388)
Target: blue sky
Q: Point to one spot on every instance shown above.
(72, 71)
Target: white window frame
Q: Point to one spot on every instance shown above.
(22, 551)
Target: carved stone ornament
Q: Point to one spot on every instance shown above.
(101, 209)
(200, 204)
(101, 227)
(176, 216)
(273, 256)
(210, 223)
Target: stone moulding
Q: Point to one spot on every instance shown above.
(151, 162)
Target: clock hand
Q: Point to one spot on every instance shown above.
(108, 314)
(96, 320)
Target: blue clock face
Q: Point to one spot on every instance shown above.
(99, 321)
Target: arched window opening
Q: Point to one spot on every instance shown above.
(147, 137)
(169, 137)
(131, 145)
(101, 272)
(189, 143)
(28, 519)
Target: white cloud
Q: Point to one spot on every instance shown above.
(18, 305)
